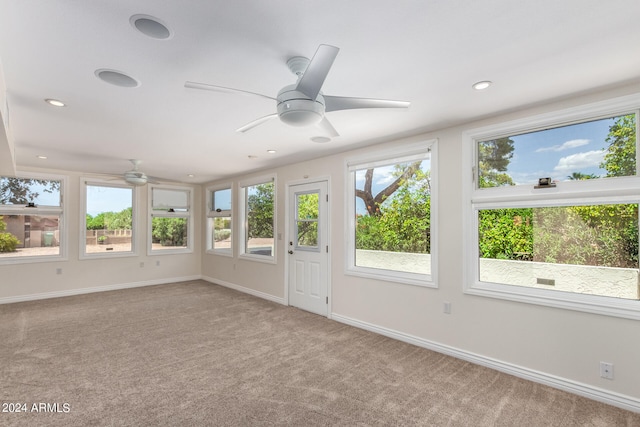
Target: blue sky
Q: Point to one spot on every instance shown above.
(107, 199)
(557, 153)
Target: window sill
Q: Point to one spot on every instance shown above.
(220, 252)
(9, 260)
(259, 258)
(607, 306)
(423, 280)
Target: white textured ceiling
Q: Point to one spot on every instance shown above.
(427, 52)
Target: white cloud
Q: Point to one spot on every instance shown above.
(565, 146)
(575, 162)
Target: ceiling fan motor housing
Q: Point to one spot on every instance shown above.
(297, 109)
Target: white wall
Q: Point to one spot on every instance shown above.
(24, 281)
(555, 346)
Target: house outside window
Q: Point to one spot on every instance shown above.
(31, 218)
(171, 222)
(391, 206)
(219, 220)
(109, 220)
(552, 216)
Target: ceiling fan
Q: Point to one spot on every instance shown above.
(137, 177)
(303, 103)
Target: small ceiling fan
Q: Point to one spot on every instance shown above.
(303, 103)
(137, 177)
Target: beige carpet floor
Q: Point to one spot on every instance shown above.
(195, 354)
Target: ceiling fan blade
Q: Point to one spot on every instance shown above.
(256, 122)
(328, 128)
(313, 78)
(335, 103)
(195, 85)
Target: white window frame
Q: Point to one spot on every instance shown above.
(84, 182)
(211, 214)
(161, 214)
(597, 191)
(243, 210)
(60, 211)
(398, 154)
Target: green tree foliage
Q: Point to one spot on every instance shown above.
(373, 203)
(604, 235)
(620, 159)
(20, 191)
(402, 221)
(506, 233)
(111, 220)
(493, 160)
(8, 242)
(579, 176)
(307, 221)
(169, 231)
(260, 211)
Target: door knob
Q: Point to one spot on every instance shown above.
(291, 252)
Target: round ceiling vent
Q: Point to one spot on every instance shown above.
(151, 27)
(116, 78)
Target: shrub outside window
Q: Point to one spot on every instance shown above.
(219, 221)
(31, 219)
(554, 209)
(258, 214)
(109, 220)
(171, 222)
(391, 199)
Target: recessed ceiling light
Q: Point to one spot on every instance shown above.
(251, 156)
(55, 102)
(271, 151)
(320, 139)
(191, 175)
(482, 85)
(151, 27)
(42, 157)
(117, 78)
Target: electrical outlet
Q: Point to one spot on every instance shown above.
(447, 308)
(606, 370)
(58, 271)
(158, 263)
(142, 265)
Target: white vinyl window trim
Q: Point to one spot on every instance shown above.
(211, 213)
(176, 198)
(59, 211)
(83, 219)
(400, 153)
(602, 191)
(243, 211)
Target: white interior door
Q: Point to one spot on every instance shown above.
(308, 247)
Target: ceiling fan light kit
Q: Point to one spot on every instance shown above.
(302, 104)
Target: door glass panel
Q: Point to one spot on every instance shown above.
(307, 220)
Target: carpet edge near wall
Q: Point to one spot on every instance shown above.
(598, 394)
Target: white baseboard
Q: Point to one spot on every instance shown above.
(70, 292)
(595, 393)
(244, 289)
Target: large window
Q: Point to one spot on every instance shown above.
(31, 219)
(171, 222)
(219, 221)
(391, 197)
(258, 214)
(109, 220)
(554, 209)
